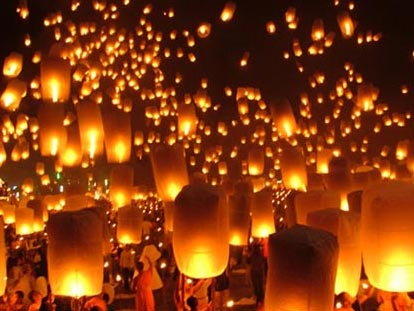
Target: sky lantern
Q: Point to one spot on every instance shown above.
(346, 227)
(201, 236)
(24, 220)
(261, 210)
(129, 226)
(71, 155)
(322, 160)
(74, 256)
(318, 30)
(386, 235)
(256, 161)
(402, 149)
(3, 258)
(8, 211)
(117, 135)
(12, 95)
(3, 154)
(53, 134)
(339, 178)
(13, 65)
(121, 185)
(293, 168)
(228, 11)
(366, 95)
(239, 218)
(187, 120)
(283, 117)
(90, 128)
(346, 24)
(301, 272)
(204, 30)
(40, 214)
(55, 79)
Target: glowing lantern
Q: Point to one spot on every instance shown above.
(323, 158)
(308, 202)
(301, 270)
(256, 159)
(74, 257)
(345, 226)
(129, 228)
(228, 11)
(71, 155)
(24, 221)
(118, 135)
(239, 218)
(283, 117)
(3, 155)
(187, 119)
(40, 214)
(386, 235)
(402, 149)
(27, 185)
(13, 65)
(12, 95)
(121, 185)
(8, 212)
(293, 168)
(203, 30)
(200, 239)
(346, 24)
(169, 179)
(90, 128)
(3, 258)
(55, 79)
(318, 31)
(52, 132)
(262, 213)
(365, 96)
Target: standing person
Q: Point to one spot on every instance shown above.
(221, 291)
(126, 263)
(257, 273)
(35, 300)
(144, 298)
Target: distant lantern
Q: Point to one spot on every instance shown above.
(203, 30)
(322, 160)
(339, 178)
(366, 94)
(3, 257)
(55, 79)
(386, 235)
(117, 135)
(27, 185)
(301, 270)
(71, 155)
(53, 134)
(200, 239)
(121, 185)
(129, 227)
(318, 31)
(239, 218)
(39, 214)
(228, 11)
(345, 226)
(293, 168)
(90, 128)
(346, 24)
(283, 117)
(8, 212)
(74, 257)
(263, 223)
(256, 159)
(13, 65)
(24, 220)
(13, 94)
(187, 119)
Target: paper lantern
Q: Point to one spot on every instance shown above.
(256, 160)
(12, 95)
(318, 31)
(90, 128)
(121, 185)
(129, 227)
(228, 11)
(346, 24)
(13, 65)
(8, 212)
(345, 226)
(39, 214)
(118, 135)
(305, 203)
(27, 185)
(293, 168)
(169, 179)
(24, 221)
(74, 257)
(55, 79)
(71, 155)
(187, 119)
(52, 132)
(200, 238)
(3, 258)
(386, 235)
(323, 158)
(301, 270)
(262, 213)
(239, 219)
(365, 96)
(283, 117)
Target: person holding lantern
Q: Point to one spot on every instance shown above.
(141, 284)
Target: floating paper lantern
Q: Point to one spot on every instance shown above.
(228, 11)
(13, 65)
(3, 155)
(24, 220)
(3, 258)
(318, 31)
(187, 120)
(169, 179)
(262, 213)
(8, 211)
(12, 95)
(27, 185)
(90, 128)
(118, 135)
(52, 132)
(283, 117)
(74, 257)
(55, 79)
(301, 270)
(345, 226)
(40, 214)
(323, 158)
(256, 160)
(239, 219)
(200, 239)
(121, 185)
(293, 168)
(346, 24)
(129, 227)
(365, 96)
(71, 155)
(386, 235)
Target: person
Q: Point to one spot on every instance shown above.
(221, 291)
(16, 301)
(109, 305)
(144, 298)
(126, 263)
(35, 300)
(200, 290)
(345, 300)
(385, 300)
(192, 302)
(402, 302)
(257, 273)
(96, 301)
